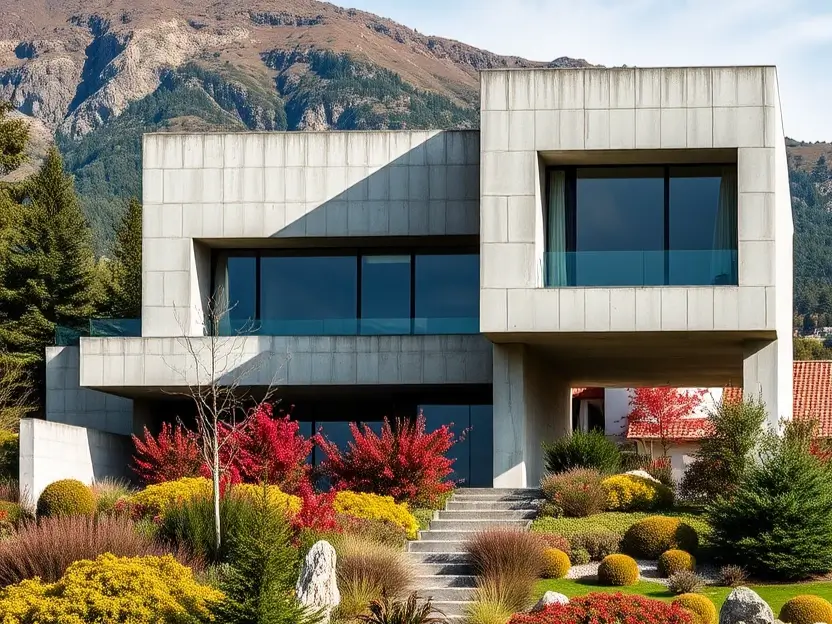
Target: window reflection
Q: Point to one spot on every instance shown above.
(447, 294)
(385, 295)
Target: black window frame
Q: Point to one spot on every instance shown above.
(357, 252)
(571, 190)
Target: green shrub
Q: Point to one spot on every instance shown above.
(9, 454)
(12, 512)
(578, 492)
(423, 518)
(598, 543)
(633, 493)
(700, 606)
(550, 509)
(673, 561)
(108, 492)
(779, 522)
(553, 540)
(806, 610)
(725, 456)
(652, 536)
(557, 563)
(580, 556)
(618, 571)
(67, 497)
(582, 450)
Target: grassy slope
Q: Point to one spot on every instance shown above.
(774, 595)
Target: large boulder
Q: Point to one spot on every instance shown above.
(549, 598)
(317, 587)
(744, 605)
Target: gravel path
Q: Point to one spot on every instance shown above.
(648, 570)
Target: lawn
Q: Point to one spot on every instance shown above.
(774, 595)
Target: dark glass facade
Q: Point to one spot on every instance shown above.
(642, 226)
(348, 293)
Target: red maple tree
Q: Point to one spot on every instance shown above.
(660, 410)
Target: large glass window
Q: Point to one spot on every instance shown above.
(447, 294)
(385, 295)
(348, 294)
(642, 226)
(308, 295)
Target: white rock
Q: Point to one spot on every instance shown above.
(549, 598)
(643, 475)
(744, 605)
(317, 587)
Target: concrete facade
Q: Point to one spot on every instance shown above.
(532, 119)
(51, 451)
(409, 189)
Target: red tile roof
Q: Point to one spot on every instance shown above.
(812, 401)
(587, 393)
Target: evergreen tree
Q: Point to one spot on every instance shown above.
(126, 287)
(264, 568)
(48, 274)
(14, 134)
(820, 171)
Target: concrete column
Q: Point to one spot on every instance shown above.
(767, 374)
(531, 406)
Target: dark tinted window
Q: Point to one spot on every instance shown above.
(385, 295)
(447, 293)
(308, 295)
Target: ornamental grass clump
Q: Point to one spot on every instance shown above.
(578, 492)
(110, 588)
(591, 450)
(509, 562)
(48, 547)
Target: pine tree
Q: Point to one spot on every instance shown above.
(48, 275)
(260, 582)
(126, 287)
(14, 134)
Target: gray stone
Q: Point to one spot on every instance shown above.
(549, 598)
(745, 606)
(317, 587)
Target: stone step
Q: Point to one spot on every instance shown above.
(453, 610)
(442, 569)
(480, 524)
(449, 594)
(455, 535)
(488, 514)
(438, 558)
(479, 505)
(489, 498)
(530, 492)
(436, 546)
(421, 582)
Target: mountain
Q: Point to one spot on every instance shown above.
(93, 75)
(98, 73)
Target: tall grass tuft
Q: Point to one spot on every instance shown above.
(107, 491)
(508, 562)
(367, 571)
(47, 547)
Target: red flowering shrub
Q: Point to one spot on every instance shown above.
(170, 456)
(608, 609)
(271, 449)
(317, 513)
(404, 462)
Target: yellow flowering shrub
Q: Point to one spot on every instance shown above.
(156, 498)
(632, 493)
(375, 507)
(274, 495)
(138, 590)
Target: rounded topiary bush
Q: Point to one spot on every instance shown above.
(618, 571)
(557, 563)
(67, 497)
(806, 610)
(700, 606)
(628, 492)
(672, 561)
(649, 538)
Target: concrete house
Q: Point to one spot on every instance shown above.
(604, 227)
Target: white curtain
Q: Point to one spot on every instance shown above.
(556, 231)
(723, 267)
(219, 298)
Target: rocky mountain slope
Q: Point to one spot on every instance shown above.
(98, 73)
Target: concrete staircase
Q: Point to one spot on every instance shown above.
(443, 569)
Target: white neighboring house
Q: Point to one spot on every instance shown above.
(604, 227)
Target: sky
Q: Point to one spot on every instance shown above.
(794, 35)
